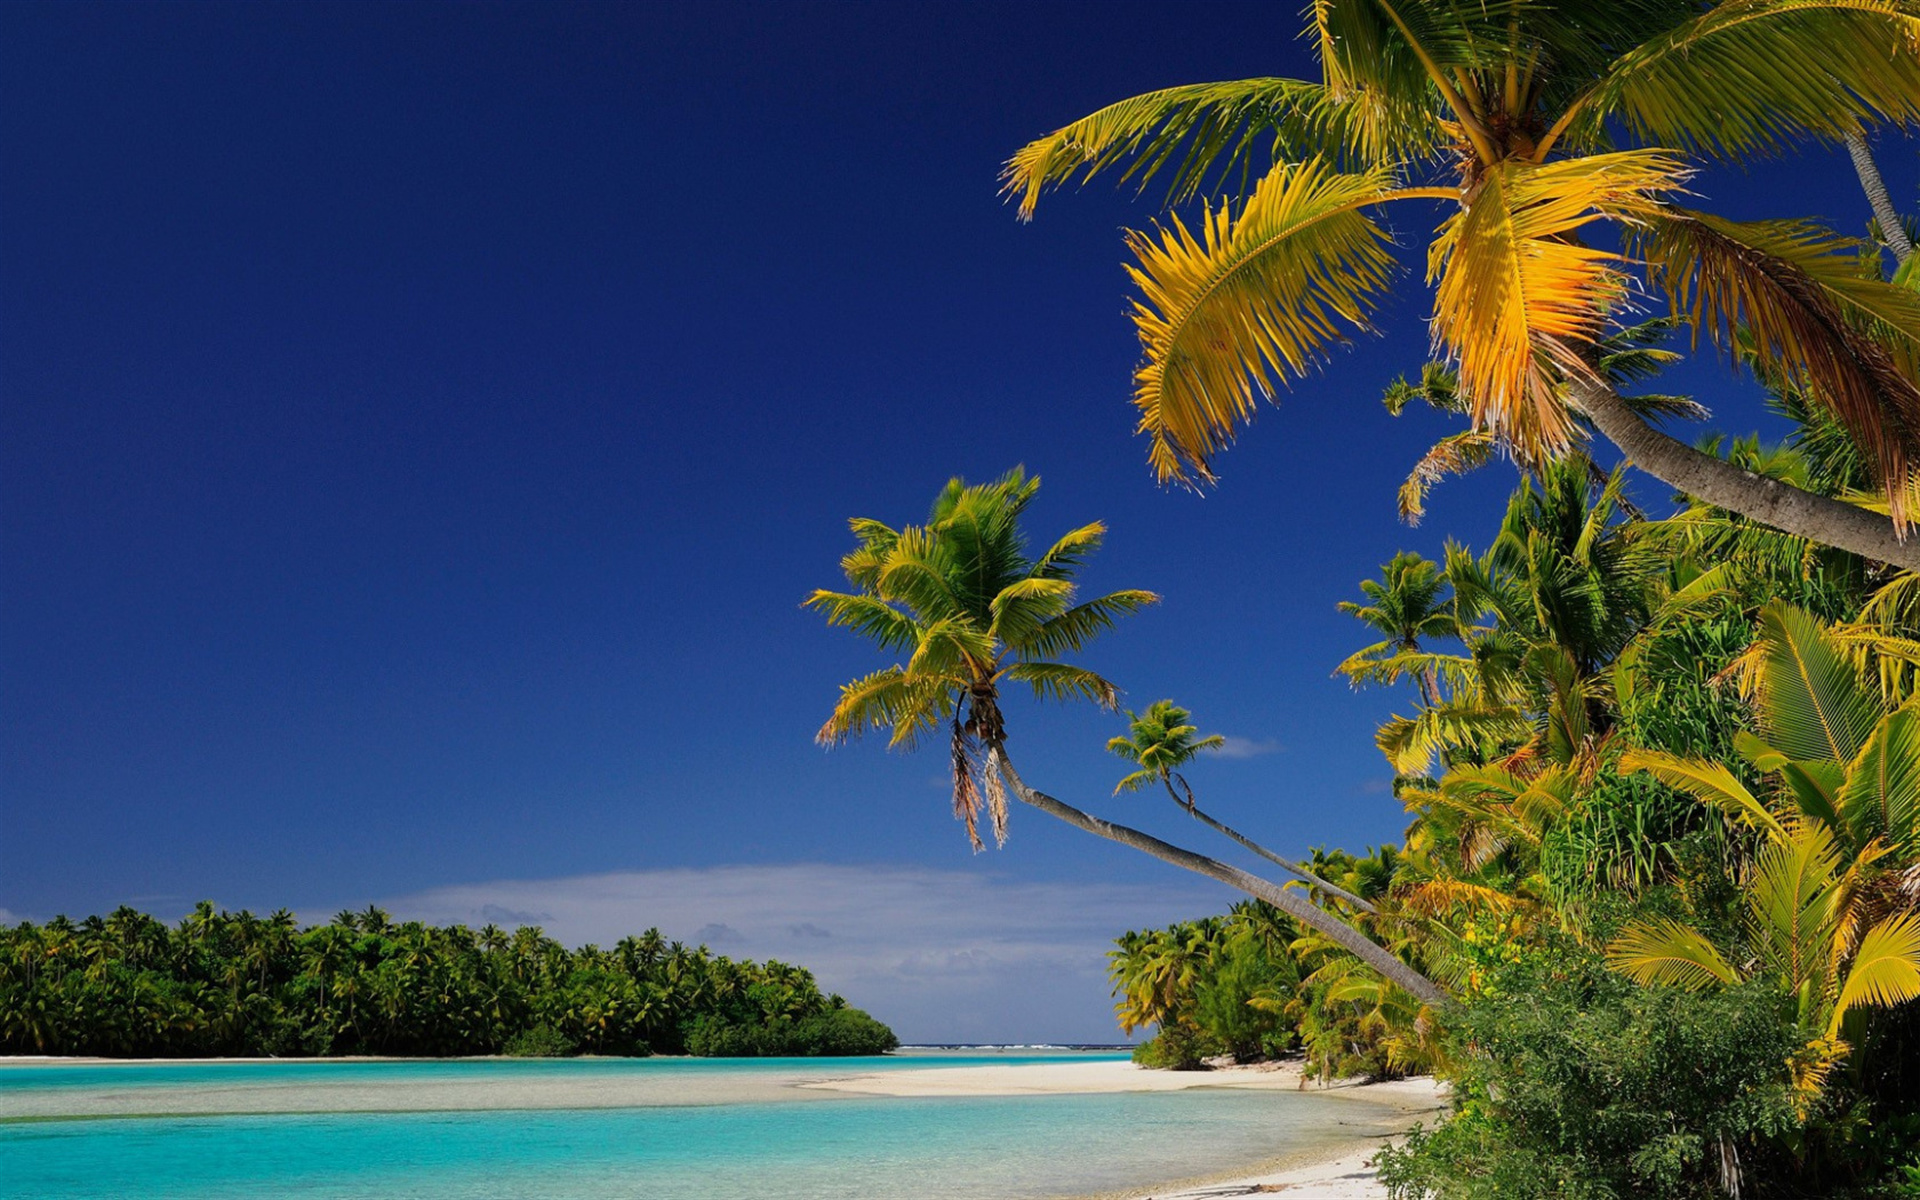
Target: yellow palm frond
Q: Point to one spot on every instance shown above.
(1709, 782)
(1438, 897)
(888, 699)
(1196, 128)
(1258, 293)
(1519, 300)
(1885, 969)
(1667, 952)
(1455, 454)
(1797, 902)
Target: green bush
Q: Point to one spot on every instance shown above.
(1177, 1047)
(1580, 1085)
(541, 1041)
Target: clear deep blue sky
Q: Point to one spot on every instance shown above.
(421, 423)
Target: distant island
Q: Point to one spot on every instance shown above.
(231, 984)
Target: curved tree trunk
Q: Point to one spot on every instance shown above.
(1199, 814)
(1720, 483)
(1891, 228)
(1291, 903)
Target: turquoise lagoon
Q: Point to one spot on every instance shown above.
(684, 1130)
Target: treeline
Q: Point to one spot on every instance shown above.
(234, 984)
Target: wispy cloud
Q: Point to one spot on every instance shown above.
(1239, 747)
(942, 955)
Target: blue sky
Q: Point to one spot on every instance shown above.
(419, 425)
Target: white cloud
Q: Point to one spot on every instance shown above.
(941, 955)
(1239, 747)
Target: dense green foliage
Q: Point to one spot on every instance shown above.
(1664, 786)
(1575, 1084)
(221, 984)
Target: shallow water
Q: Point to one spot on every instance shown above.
(826, 1147)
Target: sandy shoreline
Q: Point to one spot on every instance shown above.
(1335, 1169)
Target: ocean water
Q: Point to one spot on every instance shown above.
(766, 1146)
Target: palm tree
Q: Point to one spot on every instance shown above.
(960, 598)
(1409, 605)
(1160, 742)
(1532, 123)
(1886, 218)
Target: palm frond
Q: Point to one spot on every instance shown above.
(888, 699)
(1063, 681)
(1410, 743)
(1885, 969)
(1455, 454)
(1789, 294)
(1880, 797)
(1807, 695)
(1073, 629)
(1258, 294)
(1196, 129)
(1520, 299)
(1709, 782)
(1792, 898)
(1751, 76)
(1666, 952)
(867, 615)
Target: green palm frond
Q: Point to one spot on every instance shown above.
(887, 699)
(867, 615)
(1807, 695)
(1880, 797)
(1062, 681)
(1197, 129)
(1070, 553)
(1751, 76)
(1411, 743)
(1070, 631)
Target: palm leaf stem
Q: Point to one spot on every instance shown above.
(1285, 899)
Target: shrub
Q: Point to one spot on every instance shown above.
(1580, 1085)
(541, 1041)
(1177, 1047)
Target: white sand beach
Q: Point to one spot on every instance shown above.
(1337, 1171)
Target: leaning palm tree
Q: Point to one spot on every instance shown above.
(961, 599)
(960, 596)
(1162, 740)
(1545, 128)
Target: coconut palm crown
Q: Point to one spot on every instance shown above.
(962, 599)
(1160, 741)
(1560, 135)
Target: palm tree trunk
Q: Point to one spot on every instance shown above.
(1199, 814)
(1891, 228)
(1291, 903)
(1768, 501)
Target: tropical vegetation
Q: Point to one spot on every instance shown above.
(236, 984)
